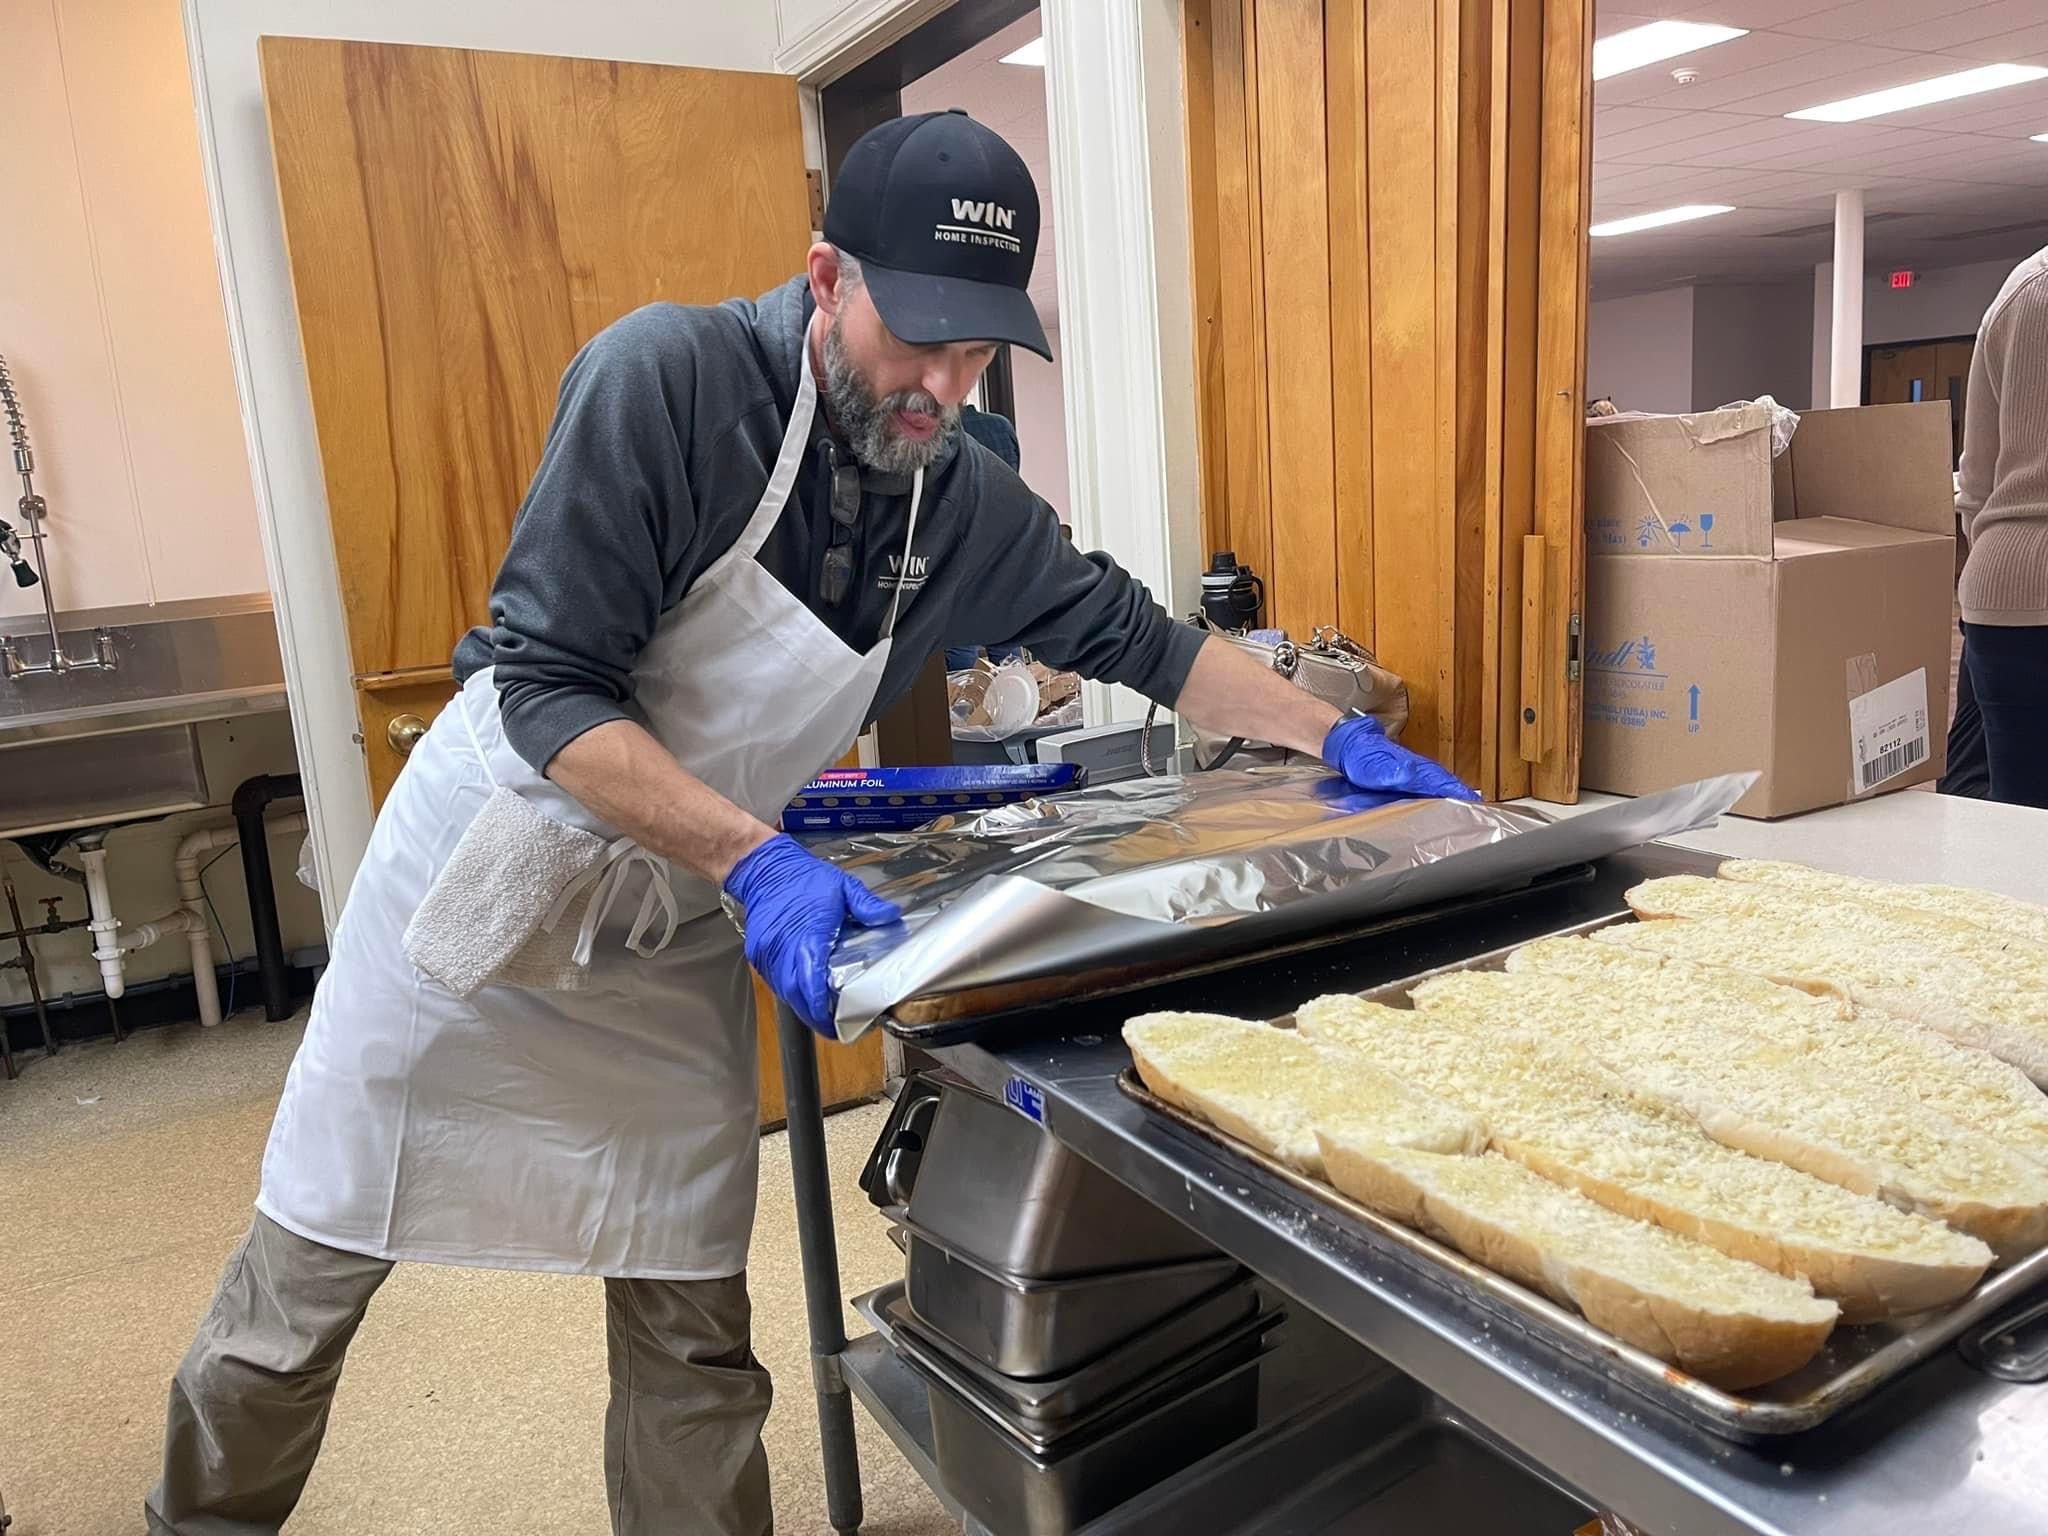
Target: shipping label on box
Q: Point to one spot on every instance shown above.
(1889, 728)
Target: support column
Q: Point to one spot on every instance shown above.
(1845, 372)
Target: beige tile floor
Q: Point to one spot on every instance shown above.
(473, 1399)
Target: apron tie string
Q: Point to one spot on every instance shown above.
(609, 876)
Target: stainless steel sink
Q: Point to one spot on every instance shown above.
(95, 747)
(176, 663)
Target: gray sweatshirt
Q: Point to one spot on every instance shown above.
(664, 433)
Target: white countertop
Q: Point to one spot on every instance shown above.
(1908, 835)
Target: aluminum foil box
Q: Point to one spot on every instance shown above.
(854, 799)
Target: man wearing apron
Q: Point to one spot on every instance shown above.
(534, 1044)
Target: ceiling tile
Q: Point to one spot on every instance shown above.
(1906, 194)
(2029, 45)
(1866, 19)
(1632, 185)
(1609, 121)
(1829, 146)
(1942, 31)
(1738, 141)
(1751, 13)
(1719, 66)
(1665, 129)
(2023, 110)
(1858, 69)
(1656, 10)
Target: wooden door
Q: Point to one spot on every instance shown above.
(459, 223)
(1925, 370)
(1388, 207)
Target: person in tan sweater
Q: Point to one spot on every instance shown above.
(2004, 507)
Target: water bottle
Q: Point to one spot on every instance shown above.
(1232, 597)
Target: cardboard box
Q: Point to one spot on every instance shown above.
(1819, 657)
(1680, 485)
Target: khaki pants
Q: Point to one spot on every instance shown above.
(682, 1433)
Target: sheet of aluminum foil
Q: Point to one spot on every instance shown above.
(1194, 868)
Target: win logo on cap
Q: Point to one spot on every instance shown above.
(944, 218)
(981, 224)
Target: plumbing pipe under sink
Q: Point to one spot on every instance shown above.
(105, 930)
(112, 944)
(192, 896)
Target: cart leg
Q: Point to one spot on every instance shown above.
(819, 1245)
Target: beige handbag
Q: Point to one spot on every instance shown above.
(1332, 666)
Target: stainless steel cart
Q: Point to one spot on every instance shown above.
(1955, 1445)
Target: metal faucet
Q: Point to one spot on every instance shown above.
(32, 509)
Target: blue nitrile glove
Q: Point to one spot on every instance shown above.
(1359, 749)
(795, 905)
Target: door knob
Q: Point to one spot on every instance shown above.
(404, 733)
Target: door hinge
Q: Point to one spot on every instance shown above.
(814, 183)
(1574, 633)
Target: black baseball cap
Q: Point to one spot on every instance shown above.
(944, 218)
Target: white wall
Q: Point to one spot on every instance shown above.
(110, 314)
(1639, 351)
(1042, 423)
(1943, 302)
(235, 151)
(1752, 339)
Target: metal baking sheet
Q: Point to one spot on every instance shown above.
(1854, 1362)
(1165, 875)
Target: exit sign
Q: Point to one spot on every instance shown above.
(1903, 279)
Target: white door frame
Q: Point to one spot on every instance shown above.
(284, 467)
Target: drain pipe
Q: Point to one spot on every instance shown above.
(252, 798)
(190, 917)
(192, 896)
(99, 902)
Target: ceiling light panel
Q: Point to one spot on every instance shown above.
(1680, 215)
(1921, 93)
(1621, 52)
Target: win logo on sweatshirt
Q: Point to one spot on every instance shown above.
(896, 577)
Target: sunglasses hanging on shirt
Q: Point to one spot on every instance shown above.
(835, 577)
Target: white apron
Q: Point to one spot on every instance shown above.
(610, 1130)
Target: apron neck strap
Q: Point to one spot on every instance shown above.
(788, 461)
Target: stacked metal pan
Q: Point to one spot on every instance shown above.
(1082, 1345)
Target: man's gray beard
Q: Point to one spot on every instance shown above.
(868, 423)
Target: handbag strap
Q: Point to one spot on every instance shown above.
(1286, 662)
(1230, 749)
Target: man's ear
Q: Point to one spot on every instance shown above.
(824, 276)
